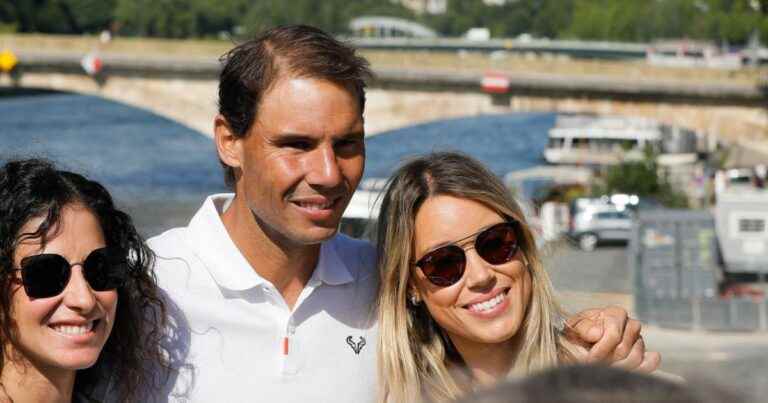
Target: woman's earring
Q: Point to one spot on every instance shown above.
(414, 299)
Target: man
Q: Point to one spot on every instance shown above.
(270, 304)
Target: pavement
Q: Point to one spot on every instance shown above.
(737, 361)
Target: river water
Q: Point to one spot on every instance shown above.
(160, 171)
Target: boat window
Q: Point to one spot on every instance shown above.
(694, 53)
(580, 143)
(555, 142)
(751, 225)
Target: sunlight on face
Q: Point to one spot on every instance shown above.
(66, 331)
(488, 304)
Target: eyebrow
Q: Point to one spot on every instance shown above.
(287, 137)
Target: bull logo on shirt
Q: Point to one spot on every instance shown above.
(356, 347)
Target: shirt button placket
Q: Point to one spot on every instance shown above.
(292, 350)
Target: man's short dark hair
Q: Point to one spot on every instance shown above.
(251, 68)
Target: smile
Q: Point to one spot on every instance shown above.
(70, 330)
(488, 305)
(316, 206)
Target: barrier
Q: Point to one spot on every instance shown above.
(676, 264)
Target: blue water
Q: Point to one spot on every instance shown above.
(160, 171)
(134, 151)
(503, 142)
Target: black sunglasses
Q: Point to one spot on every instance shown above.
(445, 266)
(46, 275)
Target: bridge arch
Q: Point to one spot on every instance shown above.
(191, 103)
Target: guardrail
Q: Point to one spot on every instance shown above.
(517, 84)
(578, 49)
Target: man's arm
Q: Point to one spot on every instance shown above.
(609, 335)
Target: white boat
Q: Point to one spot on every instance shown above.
(595, 141)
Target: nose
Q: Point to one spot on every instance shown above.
(479, 274)
(323, 169)
(78, 295)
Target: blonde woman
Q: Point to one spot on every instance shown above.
(464, 299)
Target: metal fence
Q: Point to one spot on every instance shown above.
(676, 264)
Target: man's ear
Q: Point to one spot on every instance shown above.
(228, 145)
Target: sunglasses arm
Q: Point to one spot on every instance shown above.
(14, 279)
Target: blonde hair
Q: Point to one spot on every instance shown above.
(414, 354)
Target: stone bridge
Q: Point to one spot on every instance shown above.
(185, 91)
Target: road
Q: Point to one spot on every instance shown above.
(736, 361)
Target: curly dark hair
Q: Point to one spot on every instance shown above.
(133, 355)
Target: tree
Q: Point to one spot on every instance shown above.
(642, 178)
(58, 16)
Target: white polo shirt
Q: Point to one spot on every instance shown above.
(234, 339)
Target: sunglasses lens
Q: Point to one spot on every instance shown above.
(105, 269)
(44, 275)
(444, 266)
(497, 244)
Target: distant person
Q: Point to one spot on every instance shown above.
(279, 306)
(465, 300)
(600, 384)
(760, 176)
(78, 304)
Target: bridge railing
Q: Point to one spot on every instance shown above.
(517, 84)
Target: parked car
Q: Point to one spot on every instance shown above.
(595, 222)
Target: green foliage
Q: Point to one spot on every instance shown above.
(200, 18)
(8, 28)
(57, 16)
(641, 178)
(727, 21)
(166, 18)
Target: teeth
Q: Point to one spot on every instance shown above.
(316, 206)
(487, 305)
(73, 330)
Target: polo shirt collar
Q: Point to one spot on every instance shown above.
(331, 269)
(210, 241)
(227, 265)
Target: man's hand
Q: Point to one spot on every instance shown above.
(610, 336)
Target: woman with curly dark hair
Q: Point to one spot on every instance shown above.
(80, 312)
